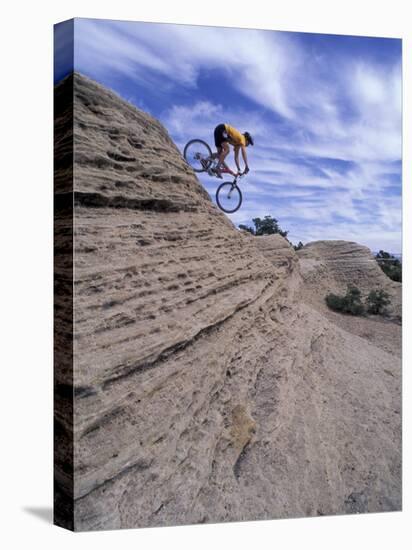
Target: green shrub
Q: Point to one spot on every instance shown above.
(377, 301)
(335, 302)
(349, 303)
(247, 228)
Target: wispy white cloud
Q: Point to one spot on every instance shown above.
(257, 62)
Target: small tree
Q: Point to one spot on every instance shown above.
(377, 301)
(267, 226)
(298, 246)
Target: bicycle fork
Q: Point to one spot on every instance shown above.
(231, 189)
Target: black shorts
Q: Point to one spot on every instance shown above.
(220, 135)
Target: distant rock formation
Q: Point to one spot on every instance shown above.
(206, 388)
(330, 266)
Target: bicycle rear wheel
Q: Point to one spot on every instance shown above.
(228, 197)
(197, 154)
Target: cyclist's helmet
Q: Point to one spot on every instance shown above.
(249, 138)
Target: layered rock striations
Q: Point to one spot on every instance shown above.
(205, 388)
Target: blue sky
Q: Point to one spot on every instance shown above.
(324, 110)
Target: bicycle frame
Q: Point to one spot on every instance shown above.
(238, 177)
(214, 161)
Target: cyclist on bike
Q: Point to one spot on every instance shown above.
(226, 135)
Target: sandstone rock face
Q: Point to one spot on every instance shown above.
(206, 388)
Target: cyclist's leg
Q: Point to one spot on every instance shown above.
(222, 147)
(225, 150)
(216, 155)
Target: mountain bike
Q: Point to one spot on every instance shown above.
(199, 156)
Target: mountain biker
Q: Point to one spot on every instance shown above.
(225, 135)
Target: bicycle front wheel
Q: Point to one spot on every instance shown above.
(228, 197)
(197, 154)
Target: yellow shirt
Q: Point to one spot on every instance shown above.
(235, 137)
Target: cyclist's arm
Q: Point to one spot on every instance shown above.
(237, 158)
(244, 155)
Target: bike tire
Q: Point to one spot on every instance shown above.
(186, 154)
(219, 197)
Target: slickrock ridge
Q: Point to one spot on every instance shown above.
(205, 388)
(330, 266)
